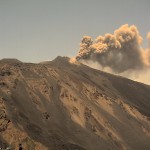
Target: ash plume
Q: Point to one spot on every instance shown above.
(118, 53)
(148, 50)
(148, 37)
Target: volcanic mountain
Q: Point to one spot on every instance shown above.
(65, 105)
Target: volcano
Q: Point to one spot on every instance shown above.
(65, 105)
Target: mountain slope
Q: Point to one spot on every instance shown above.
(66, 105)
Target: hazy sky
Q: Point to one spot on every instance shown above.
(38, 30)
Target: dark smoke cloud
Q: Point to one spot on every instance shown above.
(120, 52)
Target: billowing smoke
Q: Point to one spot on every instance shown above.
(148, 37)
(119, 53)
(148, 50)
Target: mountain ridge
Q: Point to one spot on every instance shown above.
(66, 105)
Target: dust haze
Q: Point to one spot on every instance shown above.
(119, 53)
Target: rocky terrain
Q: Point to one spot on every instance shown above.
(64, 105)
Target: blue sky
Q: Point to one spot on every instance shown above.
(38, 30)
